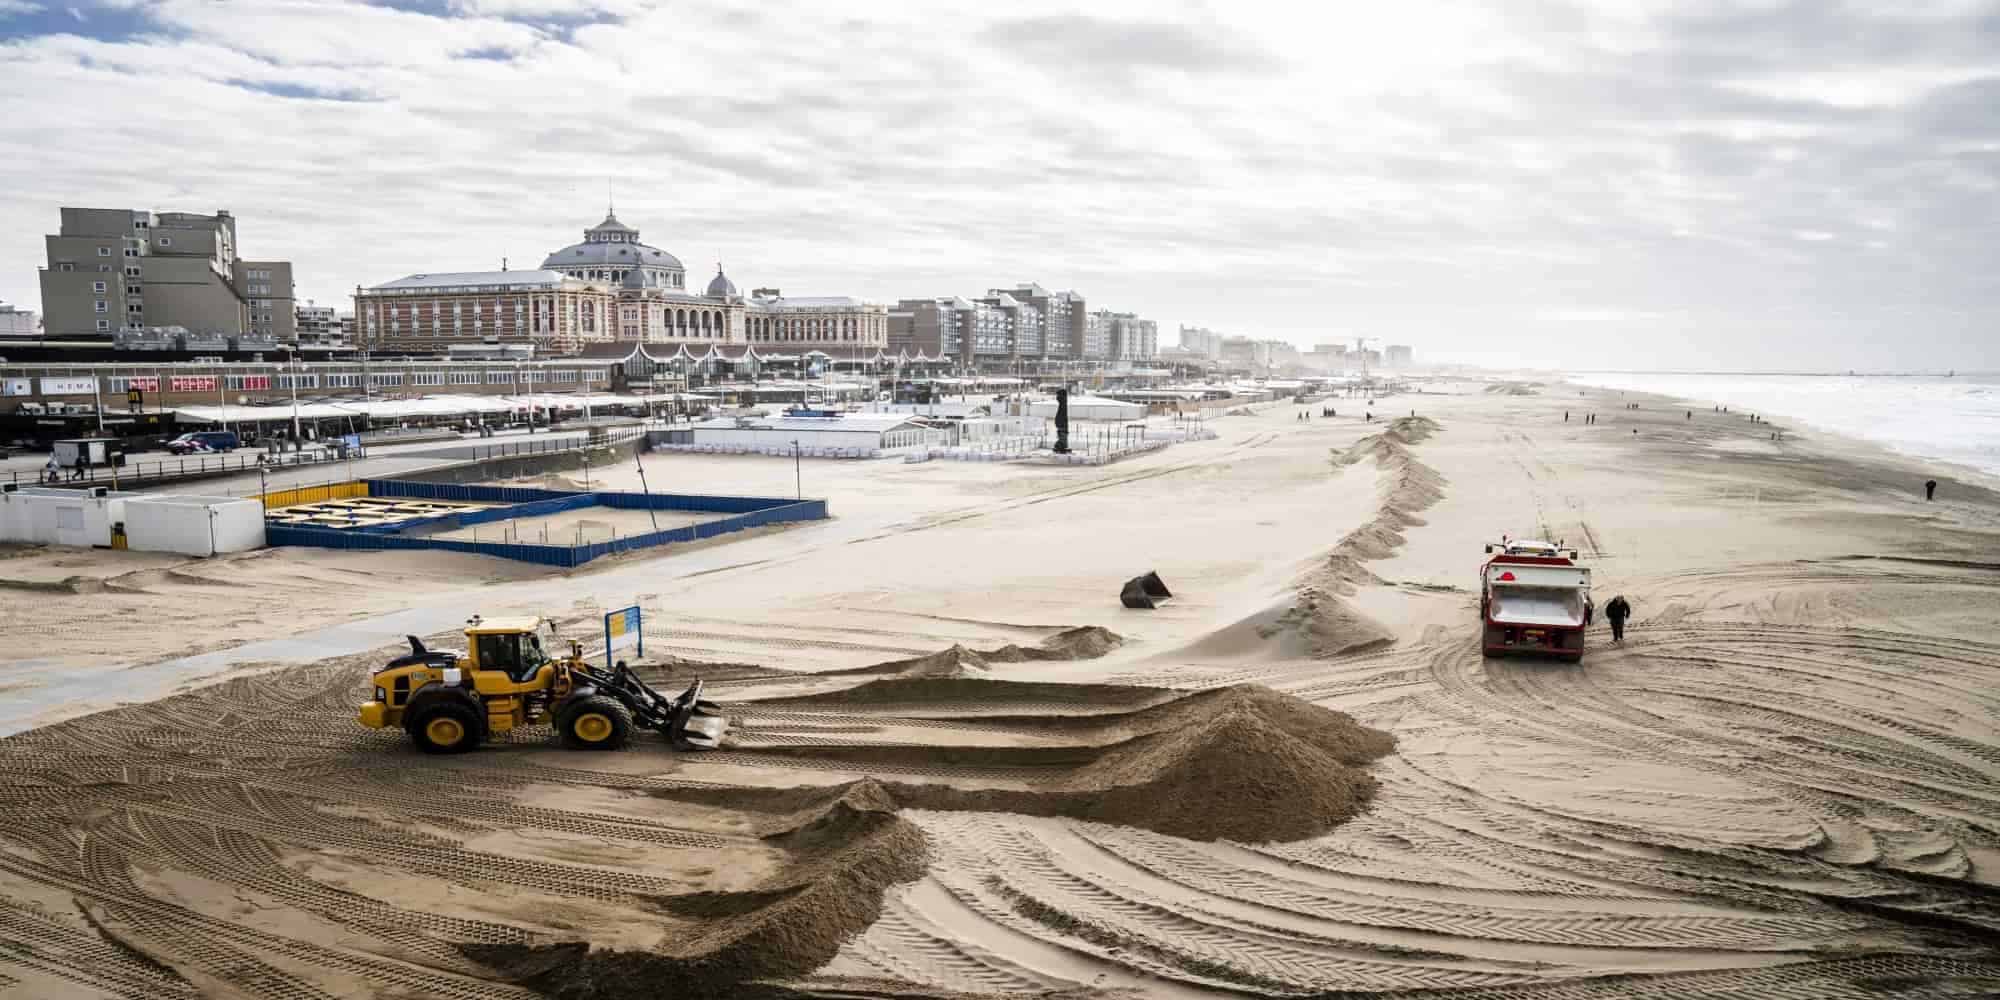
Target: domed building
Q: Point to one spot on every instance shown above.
(611, 251)
(609, 287)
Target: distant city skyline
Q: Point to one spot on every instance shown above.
(1650, 185)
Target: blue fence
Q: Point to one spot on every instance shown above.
(743, 512)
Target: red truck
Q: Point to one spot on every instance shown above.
(1533, 598)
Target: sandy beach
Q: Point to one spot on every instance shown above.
(961, 768)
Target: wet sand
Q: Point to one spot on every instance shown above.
(1785, 781)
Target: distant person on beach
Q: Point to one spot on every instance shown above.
(1930, 489)
(1617, 611)
(1690, 414)
(1565, 416)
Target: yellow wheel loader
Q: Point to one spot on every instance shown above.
(450, 702)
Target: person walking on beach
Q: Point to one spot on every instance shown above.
(1930, 489)
(1617, 611)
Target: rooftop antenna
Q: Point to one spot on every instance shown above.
(503, 263)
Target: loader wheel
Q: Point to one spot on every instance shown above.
(445, 727)
(595, 723)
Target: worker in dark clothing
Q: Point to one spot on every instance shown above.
(1617, 611)
(1930, 489)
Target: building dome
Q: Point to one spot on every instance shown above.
(720, 286)
(611, 252)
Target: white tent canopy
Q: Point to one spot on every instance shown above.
(426, 406)
(1090, 408)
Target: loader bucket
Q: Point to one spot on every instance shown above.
(696, 723)
(1144, 591)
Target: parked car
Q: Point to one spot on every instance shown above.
(198, 442)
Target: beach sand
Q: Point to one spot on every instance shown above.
(1786, 782)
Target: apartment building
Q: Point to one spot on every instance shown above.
(119, 269)
(1202, 341)
(266, 289)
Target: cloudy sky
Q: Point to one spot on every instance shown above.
(1674, 184)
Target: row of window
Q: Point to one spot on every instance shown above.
(254, 383)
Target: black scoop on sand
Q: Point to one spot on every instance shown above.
(1144, 591)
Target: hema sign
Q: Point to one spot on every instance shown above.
(69, 386)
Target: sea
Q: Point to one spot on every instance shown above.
(1952, 418)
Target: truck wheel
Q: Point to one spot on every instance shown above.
(598, 722)
(445, 727)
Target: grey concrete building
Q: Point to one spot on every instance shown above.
(1400, 356)
(266, 289)
(120, 269)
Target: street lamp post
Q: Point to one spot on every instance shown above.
(294, 366)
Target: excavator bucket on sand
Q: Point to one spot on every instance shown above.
(1144, 591)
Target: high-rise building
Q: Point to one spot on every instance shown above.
(1129, 337)
(1202, 341)
(1020, 329)
(1064, 322)
(18, 322)
(1399, 356)
(118, 269)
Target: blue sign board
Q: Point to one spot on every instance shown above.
(623, 628)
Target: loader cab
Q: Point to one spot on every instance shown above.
(508, 645)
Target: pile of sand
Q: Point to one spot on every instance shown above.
(1083, 643)
(1240, 763)
(1514, 389)
(957, 692)
(847, 847)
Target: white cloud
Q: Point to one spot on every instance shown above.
(1438, 173)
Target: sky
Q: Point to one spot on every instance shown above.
(1802, 185)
